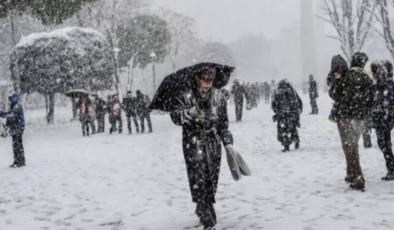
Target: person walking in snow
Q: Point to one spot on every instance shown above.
(15, 121)
(115, 114)
(383, 113)
(100, 113)
(92, 107)
(238, 91)
(287, 107)
(130, 107)
(205, 126)
(143, 111)
(83, 105)
(352, 91)
(313, 94)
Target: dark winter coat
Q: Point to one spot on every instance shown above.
(143, 103)
(353, 94)
(101, 107)
(287, 104)
(130, 106)
(205, 126)
(383, 105)
(238, 91)
(313, 92)
(15, 116)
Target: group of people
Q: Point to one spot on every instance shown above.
(253, 93)
(362, 102)
(93, 108)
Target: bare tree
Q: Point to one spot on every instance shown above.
(352, 20)
(382, 15)
(183, 33)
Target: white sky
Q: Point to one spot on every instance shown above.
(227, 20)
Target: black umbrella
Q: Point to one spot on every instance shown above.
(176, 83)
(78, 93)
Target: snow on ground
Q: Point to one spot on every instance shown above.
(139, 182)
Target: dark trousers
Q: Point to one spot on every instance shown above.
(238, 110)
(19, 153)
(142, 120)
(85, 125)
(101, 123)
(315, 109)
(114, 120)
(135, 123)
(384, 142)
(350, 132)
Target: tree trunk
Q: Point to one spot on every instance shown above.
(14, 43)
(51, 108)
(115, 48)
(74, 108)
(154, 78)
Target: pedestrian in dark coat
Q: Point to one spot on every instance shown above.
(313, 94)
(205, 126)
(238, 91)
(339, 67)
(353, 94)
(143, 111)
(287, 107)
(383, 114)
(130, 107)
(100, 113)
(16, 127)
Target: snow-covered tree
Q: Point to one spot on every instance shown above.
(352, 22)
(384, 19)
(141, 37)
(105, 16)
(61, 60)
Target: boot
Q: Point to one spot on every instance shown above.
(388, 177)
(348, 179)
(358, 184)
(297, 145)
(286, 149)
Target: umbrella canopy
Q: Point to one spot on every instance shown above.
(78, 93)
(176, 83)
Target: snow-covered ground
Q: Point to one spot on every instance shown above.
(139, 182)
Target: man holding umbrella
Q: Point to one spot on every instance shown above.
(196, 103)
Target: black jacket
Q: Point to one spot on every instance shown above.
(238, 91)
(143, 103)
(130, 106)
(353, 94)
(205, 126)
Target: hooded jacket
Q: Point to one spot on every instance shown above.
(383, 106)
(353, 94)
(15, 116)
